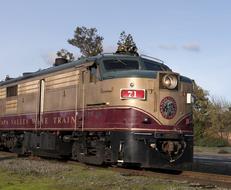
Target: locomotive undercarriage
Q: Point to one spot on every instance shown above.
(148, 150)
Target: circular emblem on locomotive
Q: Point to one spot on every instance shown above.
(168, 107)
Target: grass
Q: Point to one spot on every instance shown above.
(213, 150)
(26, 174)
(208, 141)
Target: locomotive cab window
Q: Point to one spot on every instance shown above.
(12, 91)
(120, 65)
(154, 66)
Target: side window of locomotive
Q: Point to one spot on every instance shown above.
(118, 65)
(153, 66)
(12, 91)
(93, 74)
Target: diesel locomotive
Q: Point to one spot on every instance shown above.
(106, 109)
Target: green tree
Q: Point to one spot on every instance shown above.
(66, 55)
(212, 119)
(126, 44)
(87, 40)
(227, 123)
(220, 117)
(201, 112)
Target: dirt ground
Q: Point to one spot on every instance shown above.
(42, 174)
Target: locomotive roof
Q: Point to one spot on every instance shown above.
(50, 70)
(68, 65)
(79, 62)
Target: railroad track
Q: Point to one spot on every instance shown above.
(193, 178)
(196, 179)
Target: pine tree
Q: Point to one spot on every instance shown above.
(126, 44)
(88, 41)
(66, 55)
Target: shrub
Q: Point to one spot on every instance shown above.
(210, 142)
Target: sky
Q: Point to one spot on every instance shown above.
(192, 37)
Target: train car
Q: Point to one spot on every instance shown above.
(107, 109)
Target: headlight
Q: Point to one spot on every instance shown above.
(169, 81)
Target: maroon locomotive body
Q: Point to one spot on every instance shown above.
(110, 108)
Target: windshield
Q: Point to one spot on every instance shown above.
(119, 65)
(154, 66)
